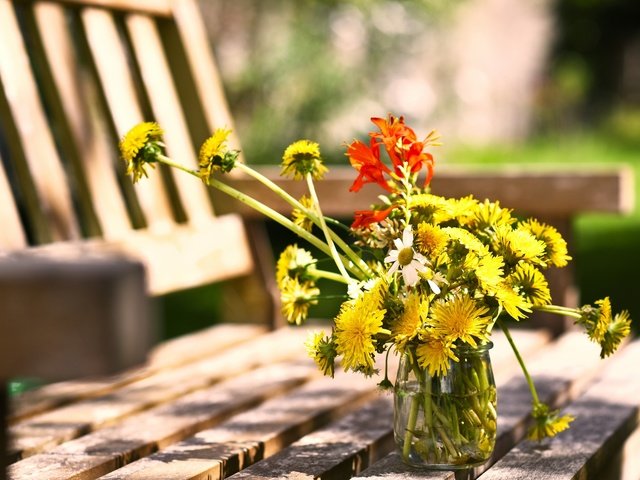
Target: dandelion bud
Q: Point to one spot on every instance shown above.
(303, 157)
(215, 155)
(140, 147)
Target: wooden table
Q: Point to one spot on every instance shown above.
(238, 401)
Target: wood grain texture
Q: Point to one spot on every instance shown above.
(558, 193)
(606, 415)
(117, 83)
(72, 94)
(160, 8)
(147, 432)
(42, 431)
(168, 355)
(11, 234)
(256, 434)
(156, 77)
(46, 193)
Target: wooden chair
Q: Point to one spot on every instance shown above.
(74, 77)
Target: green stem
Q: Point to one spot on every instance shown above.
(532, 387)
(329, 276)
(325, 230)
(559, 310)
(316, 219)
(411, 426)
(168, 161)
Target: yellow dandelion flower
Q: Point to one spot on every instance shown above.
(462, 209)
(323, 351)
(556, 247)
(435, 354)
(491, 215)
(299, 217)
(467, 240)
(489, 272)
(303, 157)
(293, 262)
(140, 147)
(547, 424)
(531, 284)
(430, 240)
(296, 298)
(215, 156)
(429, 206)
(516, 245)
(356, 327)
(511, 302)
(602, 321)
(460, 318)
(617, 330)
(406, 326)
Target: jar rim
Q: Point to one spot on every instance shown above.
(480, 348)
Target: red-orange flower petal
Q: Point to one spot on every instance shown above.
(364, 218)
(366, 160)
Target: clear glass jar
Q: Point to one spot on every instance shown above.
(446, 422)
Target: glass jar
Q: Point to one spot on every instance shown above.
(446, 422)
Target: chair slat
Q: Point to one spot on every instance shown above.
(154, 7)
(47, 195)
(208, 83)
(118, 86)
(165, 104)
(87, 143)
(11, 234)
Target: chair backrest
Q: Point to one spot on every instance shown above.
(75, 75)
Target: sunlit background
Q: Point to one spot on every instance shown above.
(504, 81)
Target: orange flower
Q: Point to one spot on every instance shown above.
(366, 160)
(364, 218)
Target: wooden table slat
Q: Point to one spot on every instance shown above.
(170, 354)
(144, 433)
(76, 419)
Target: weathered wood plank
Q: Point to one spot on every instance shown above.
(202, 253)
(160, 8)
(165, 104)
(46, 193)
(170, 354)
(337, 451)
(147, 432)
(561, 372)
(40, 432)
(557, 193)
(259, 433)
(199, 55)
(72, 97)
(106, 322)
(114, 72)
(11, 234)
(606, 415)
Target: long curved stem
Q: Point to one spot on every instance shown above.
(532, 387)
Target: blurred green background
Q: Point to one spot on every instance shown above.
(504, 81)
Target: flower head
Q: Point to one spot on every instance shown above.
(531, 284)
(356, 328)
(302, 158)
(547, 424)
(215, 156)
(294, 262)
(435, 354)
(300, 217)
(556, 247)
(296, 298)
(616, 331)
(406, 259)
(323, 351)
(407, 325)
(140, 147)
(460, 318)
(366, 160)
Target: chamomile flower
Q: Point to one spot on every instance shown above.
(406, 259)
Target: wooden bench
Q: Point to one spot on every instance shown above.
(234, 399)
(250, 404)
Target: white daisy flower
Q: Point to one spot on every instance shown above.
(405, 258)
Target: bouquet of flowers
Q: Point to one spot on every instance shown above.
(424, 276)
